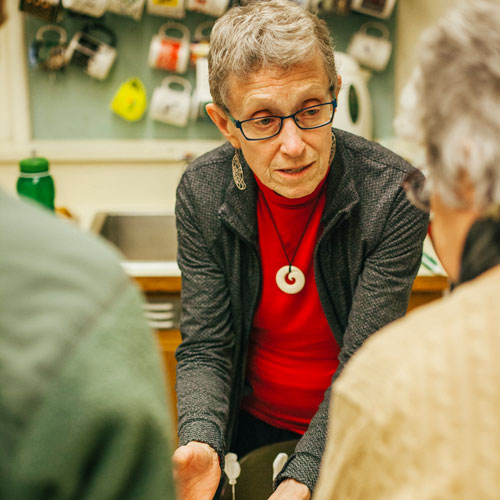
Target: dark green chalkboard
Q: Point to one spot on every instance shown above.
(75, 106)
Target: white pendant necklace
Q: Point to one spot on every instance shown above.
(290, 279)
(291, 274)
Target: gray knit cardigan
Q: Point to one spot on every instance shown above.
(365, 261)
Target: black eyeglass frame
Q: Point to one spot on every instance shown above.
(239, 123)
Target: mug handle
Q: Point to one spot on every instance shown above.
(382, 28)
(185, 84)
(51, 27)
(178, 26)
(103, 29)
(199, 33)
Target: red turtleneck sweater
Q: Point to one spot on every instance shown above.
(292, 351)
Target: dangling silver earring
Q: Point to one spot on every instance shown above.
(238, 171)
(334, 148)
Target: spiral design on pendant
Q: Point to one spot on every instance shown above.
(293, 274)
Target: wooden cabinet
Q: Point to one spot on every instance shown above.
(168, 339)
(425, 289)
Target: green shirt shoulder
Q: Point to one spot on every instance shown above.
(83, 410)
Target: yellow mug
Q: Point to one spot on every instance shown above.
(130, 100)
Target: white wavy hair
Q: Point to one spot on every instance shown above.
(265, 34)
(452, 102)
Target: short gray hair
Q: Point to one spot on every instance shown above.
(265, 34)
(455, 100)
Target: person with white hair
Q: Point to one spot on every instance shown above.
(416, 412)
(296, 242)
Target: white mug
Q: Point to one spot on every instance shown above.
(100, 64)
(168, 52)
(93, 55)
(201, 94)
(211, 7)
(168, 8)
(130, 8)
(94, 8)
(170, 105)
(200, 46)
(370, 50)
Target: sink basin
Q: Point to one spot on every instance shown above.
(147, 240)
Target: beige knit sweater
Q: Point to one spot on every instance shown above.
(416, 413)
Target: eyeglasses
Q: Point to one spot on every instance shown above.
(265, 127)
(417, 188)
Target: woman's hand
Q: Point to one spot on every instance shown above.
(289, 489)
(196, 470)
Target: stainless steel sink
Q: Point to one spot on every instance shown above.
(148, 243)
(147, 240)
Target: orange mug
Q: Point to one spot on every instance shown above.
(169, 52)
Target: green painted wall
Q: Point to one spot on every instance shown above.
(73, 105)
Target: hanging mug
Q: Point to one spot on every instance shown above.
(211, 7)
(95, 56)
(51, 10)
(201, 44)
(201, 94)
(48, 52)
(171, 105)
(167, 8)
(94, 8)
(130, 100)
(168, 52)
(370, 50)
(130, 8)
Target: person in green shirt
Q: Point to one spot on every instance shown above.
(83, 405)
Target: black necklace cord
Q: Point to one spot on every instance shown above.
(290, 261)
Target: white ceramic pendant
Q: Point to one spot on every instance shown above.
(296, 276)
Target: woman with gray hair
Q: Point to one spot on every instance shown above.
(416, 412)
(296, 242)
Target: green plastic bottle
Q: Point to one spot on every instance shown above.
(35, 181)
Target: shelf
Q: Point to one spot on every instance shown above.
(173, 283)
(159, 283)
(430, 284)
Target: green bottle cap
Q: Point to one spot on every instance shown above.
(34, 165)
